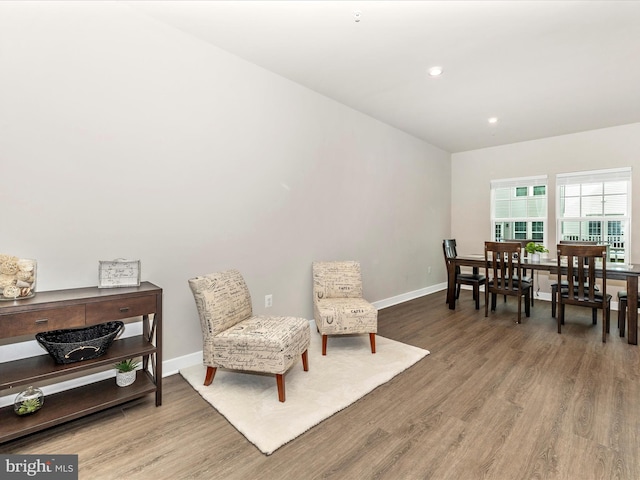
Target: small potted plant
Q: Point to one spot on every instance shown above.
(126, 372)
(28, 401)
(535, 249)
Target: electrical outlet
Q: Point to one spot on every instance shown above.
(429, 270)
(268, 301)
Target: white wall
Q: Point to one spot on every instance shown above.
(471, 173)
(122, 137)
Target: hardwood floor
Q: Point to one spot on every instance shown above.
(494, 400)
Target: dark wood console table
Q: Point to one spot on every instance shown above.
(77, 308)
(615, 271)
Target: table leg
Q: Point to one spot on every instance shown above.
(632, 309)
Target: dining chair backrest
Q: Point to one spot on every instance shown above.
(449, 248)
(450, 252)
(579, 263)
(503, 265)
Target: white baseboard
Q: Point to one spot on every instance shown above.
(405, 297)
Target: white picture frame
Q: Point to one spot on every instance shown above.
(118, 273)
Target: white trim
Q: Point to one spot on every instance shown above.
(590, 176)
(520, 181)
(388, 302)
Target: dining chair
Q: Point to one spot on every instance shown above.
(503, 270)
(577, 266)
(554, 285)
(525, 254)
(473, 279)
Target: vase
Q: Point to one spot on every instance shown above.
(535, 257)
(18, 278)
(28, 401)
(124, 379)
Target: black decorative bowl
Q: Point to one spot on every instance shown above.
(77, 344)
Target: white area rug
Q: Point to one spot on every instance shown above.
(348, 372)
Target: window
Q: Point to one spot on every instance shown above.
(596, 206)
(519, 208)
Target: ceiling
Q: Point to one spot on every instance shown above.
(543, 68)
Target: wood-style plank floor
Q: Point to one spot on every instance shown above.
(494, 400)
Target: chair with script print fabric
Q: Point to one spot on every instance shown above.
(504, 274)
(236, 339)
(579, 264)
(338, 306)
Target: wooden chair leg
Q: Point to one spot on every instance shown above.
(486, 301)
(476, 293)
(622, 316)
(305, 361)
(280, 382)
(208, 378)
(554, 298)
(594, 316)
(560, 317)
(324, 344)
(605, 324)
(372, 340)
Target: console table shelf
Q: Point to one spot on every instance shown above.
(74, 308)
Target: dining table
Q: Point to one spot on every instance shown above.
(614, 271)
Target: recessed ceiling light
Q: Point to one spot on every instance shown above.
(435, 71)
(493, 120)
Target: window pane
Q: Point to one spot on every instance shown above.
(615, 187)
(571, 190)
(537, 231)
(570, 230)
(502, 209)
(592, 188)
(540, 190)
(615, 205)
(522, 191)
(591, 206)
(520, 230)
(519, 208)
(503, 193)
(537, 208)
(571, 207)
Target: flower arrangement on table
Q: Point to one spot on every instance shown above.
(533, 247)
(17, 277)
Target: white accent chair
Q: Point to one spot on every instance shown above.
(235, 339)
(338, 305)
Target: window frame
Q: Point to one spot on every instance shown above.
(597, 226)
(533, 194)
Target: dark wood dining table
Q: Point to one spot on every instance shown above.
(614, 271)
